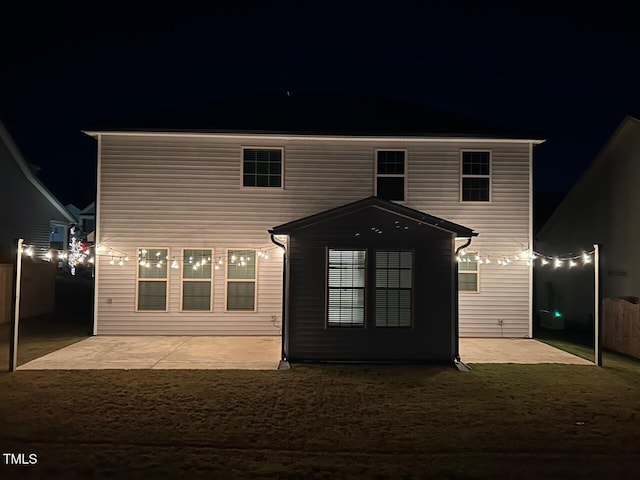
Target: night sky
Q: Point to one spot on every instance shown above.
(568, 74)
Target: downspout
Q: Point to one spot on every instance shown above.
(284, 361)
(456, 329)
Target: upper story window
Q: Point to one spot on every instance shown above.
(476, 176)
(262, 167)
(391, 174)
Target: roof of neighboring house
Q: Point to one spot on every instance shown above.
(89, 209)
(28, 172)
(312, 115)
(375, 202)
(626, 126)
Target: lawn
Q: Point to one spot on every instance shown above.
(326, 421)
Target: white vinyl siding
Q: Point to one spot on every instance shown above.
(186, 190)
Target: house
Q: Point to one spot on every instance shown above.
(32, 212)
(601, 208)
(196, 211)
(85, 219)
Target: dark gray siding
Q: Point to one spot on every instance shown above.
(430, 337)
(26, 211)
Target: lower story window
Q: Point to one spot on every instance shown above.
(394, 281)
(346, 288)
(196, 280)
(152, 279)
(241, 280)
(468, 273)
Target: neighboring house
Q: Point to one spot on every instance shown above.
(30, 211)
(601, 208)
(200, 214)
(85, 219)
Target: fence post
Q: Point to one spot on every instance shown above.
(15, 304)
(597, 313)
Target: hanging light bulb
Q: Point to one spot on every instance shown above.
(544, 261)
(121, 262)
(586, 258)
(174, 264)
(111, 262)
(488, 260)
(126, 259)
(557, 263)
(157, 254)
(91, 260)
(572, 264)
(217, 267)
(458, 259)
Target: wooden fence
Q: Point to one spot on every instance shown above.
(38, 289)
(6, 281)
(621, 325)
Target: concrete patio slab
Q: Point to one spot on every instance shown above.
(157, 352)
(514, 350)
(252, 353)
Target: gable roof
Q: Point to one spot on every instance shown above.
(626, 126)
(374, 202)
(24, 167)
(304, 114)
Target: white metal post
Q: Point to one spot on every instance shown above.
(597, 311)
(13, 361)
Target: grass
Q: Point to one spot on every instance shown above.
(320, 421)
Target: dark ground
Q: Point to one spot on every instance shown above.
(71, 322)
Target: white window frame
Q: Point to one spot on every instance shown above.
(140, 279)
(210, 280)
(404, 176)
(490, 176)
(364, 289)
(411, 289)
(260, 147)
(228, 280)
(466, 272)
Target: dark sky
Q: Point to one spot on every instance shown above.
(569, 73)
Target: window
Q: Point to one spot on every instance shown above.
(390, 174)
(346, 279)
(468, 273)
(262, 167)
(196, 280)
(476, 176)
(152, 278)
(241, 280)
(394, 280)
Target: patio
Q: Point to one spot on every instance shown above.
(252, 353)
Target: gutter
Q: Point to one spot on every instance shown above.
(456, 330)
(284, 361)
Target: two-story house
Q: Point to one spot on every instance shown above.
(345, 220)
